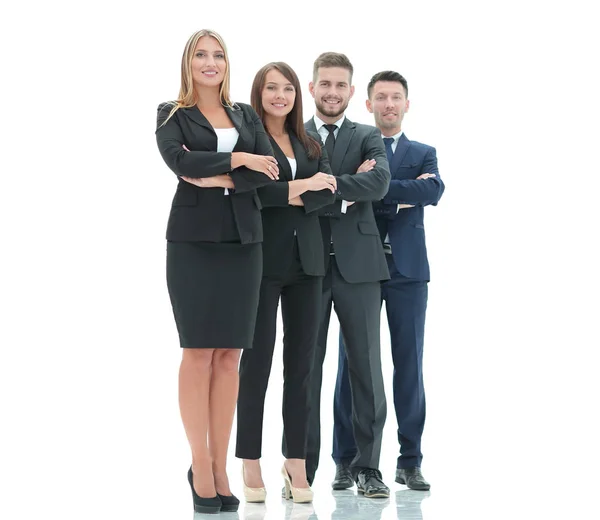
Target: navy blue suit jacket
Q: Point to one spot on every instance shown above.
(405, 227)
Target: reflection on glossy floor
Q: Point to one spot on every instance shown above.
(403, 504)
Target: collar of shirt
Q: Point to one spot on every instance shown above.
(396, 138)
(323, 132)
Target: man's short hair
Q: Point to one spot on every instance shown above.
(387, 75)
(332, 59)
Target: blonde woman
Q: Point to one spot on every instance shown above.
(220, 153)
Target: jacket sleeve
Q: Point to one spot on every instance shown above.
(244, 179)
(319, 200)
(275, 194)
(382, 210)
(418, 192)
(371, 185)
(170, 140)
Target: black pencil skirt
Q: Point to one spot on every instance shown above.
(214, 290)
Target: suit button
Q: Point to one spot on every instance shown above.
(339, 192)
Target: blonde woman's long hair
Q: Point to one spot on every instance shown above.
(187, 94)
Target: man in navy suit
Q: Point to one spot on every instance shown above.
(415, 183)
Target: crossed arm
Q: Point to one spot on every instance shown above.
(426, 189)
(369, 183)
(206, 169)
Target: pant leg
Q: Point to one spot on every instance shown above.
(300, 309)
(406, 304)
(313, 446)
(358, 309)
(255, 369)
(344, 445)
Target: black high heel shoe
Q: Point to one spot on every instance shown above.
(203, 505)
(230, 503)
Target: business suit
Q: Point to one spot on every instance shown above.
(355, 265)
(293, 270)
(201, 214)
(214, 257)
(405, 295)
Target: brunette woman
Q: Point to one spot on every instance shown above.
(293, 270)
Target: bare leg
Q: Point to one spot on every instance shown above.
(296, 469)
(194, 384)
(223, 398)
(253, 473)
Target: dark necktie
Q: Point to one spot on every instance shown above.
(330, 141)
(388, 148)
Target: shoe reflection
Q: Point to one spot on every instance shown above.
(350, 505)
(408, 504)
(228, 516)
(300, 511)
(252, 511)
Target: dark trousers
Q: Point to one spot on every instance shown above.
(358, 309)
(406, 303)
(300, 308)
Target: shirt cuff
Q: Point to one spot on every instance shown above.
(344, 206)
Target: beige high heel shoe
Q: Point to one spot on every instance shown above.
(298, 495)
(253, 495)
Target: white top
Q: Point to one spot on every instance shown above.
(226, 141)
(293, 166)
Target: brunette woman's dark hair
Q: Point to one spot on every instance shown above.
(294, 118)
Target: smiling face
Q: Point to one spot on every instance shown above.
(278, 94)
(332, 92)
(209, 63)
(388, 104)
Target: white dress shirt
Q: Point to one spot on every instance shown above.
(226, 141)
(396, 139)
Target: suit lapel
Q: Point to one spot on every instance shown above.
(310, 125)
(235, 114)
(284, 165)
(401, 149)
(237, 118)
(301, 157)
(342, 141)
(198, 117)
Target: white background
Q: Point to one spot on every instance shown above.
(508, 94)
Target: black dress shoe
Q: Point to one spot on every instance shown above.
(370, 484)
(343, 477)
(229, 503)
(201, 504)
(413, 478)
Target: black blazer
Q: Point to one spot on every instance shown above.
(358, 250)
(280, 220)
(197, 213)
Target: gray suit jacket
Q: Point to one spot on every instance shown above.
(356, 242)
